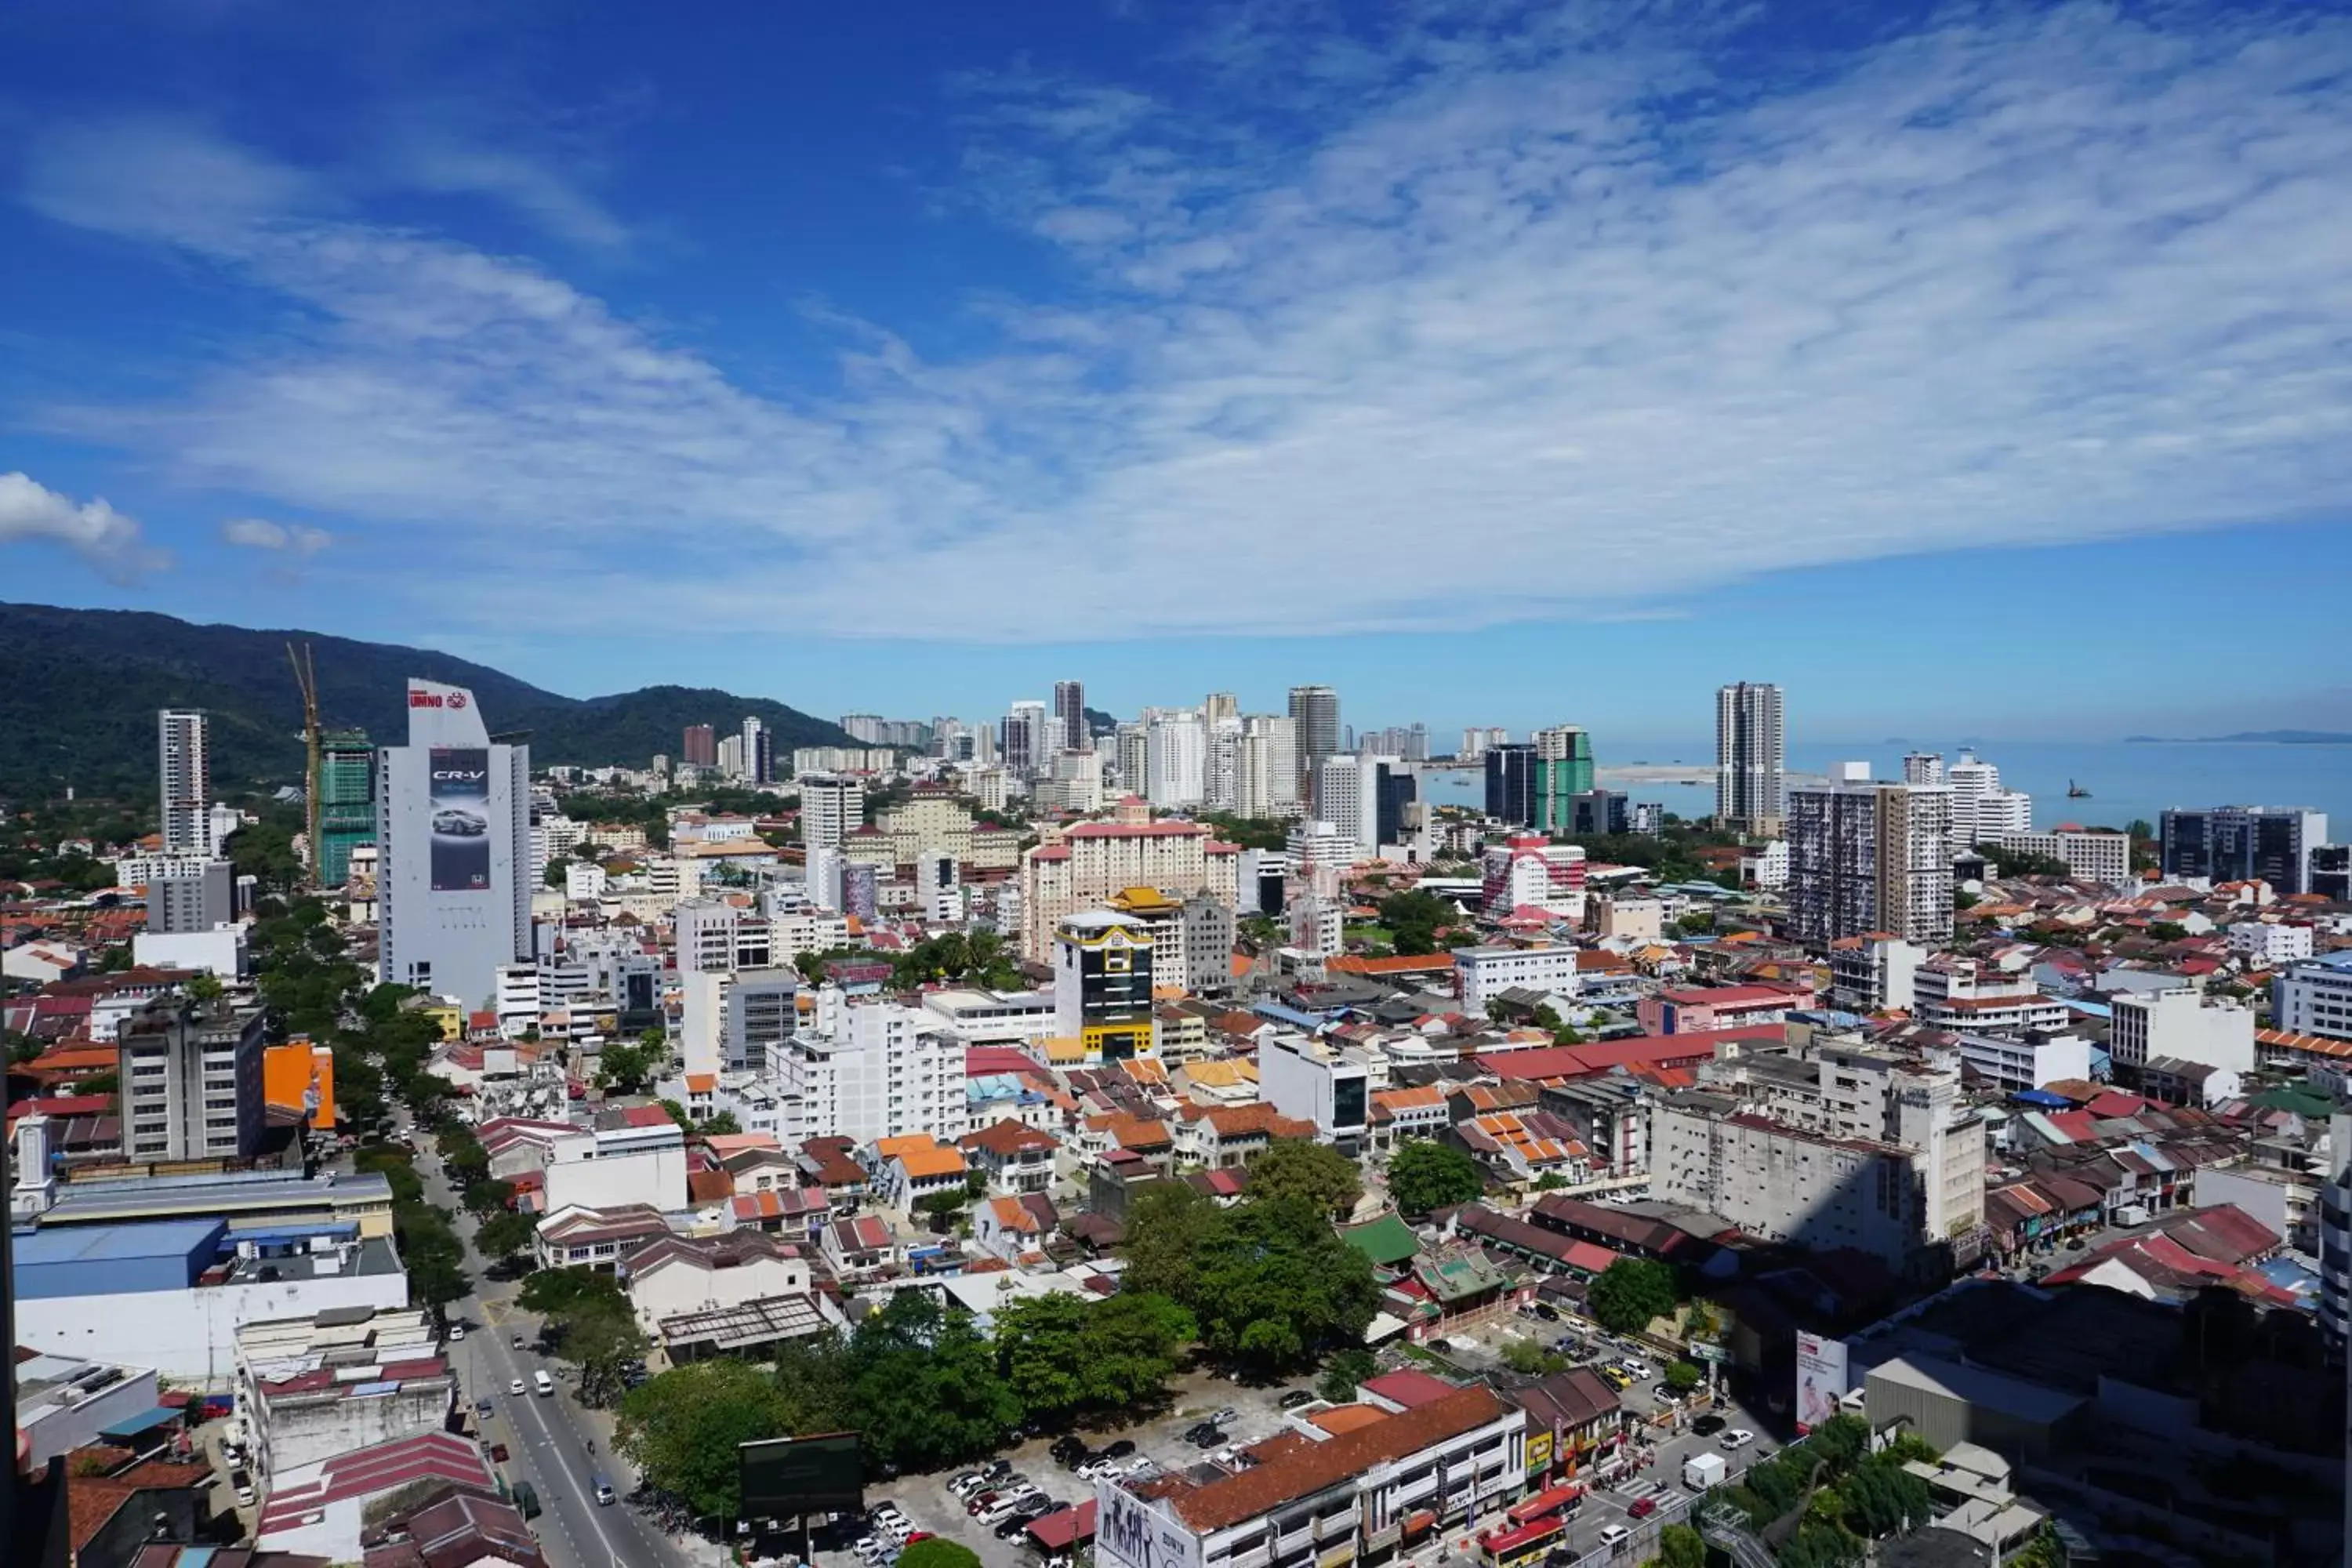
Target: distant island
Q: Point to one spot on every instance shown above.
(2248, 737)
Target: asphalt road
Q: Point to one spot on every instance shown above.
(548, 1438)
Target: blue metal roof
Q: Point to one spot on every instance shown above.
(140, 1422)
(113, 1243)
(1291, 1015)
(2042, 1097)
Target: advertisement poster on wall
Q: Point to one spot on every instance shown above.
(1821, 1379)
(461, 819)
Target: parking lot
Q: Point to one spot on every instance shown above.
(928, 1506)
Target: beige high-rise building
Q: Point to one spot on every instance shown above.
(1085, 866)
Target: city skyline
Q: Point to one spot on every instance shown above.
(369, 325)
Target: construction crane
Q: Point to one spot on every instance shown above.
(305, 676)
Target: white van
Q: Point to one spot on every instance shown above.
(545, 1383)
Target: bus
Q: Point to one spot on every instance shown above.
(1521, 1546)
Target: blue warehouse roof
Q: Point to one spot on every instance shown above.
(113, 1243)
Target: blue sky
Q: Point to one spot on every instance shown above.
(1974, 368)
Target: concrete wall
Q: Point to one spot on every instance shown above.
(305, 1428)
(190, 1336)
(62, 1428)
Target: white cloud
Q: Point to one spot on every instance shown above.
(261, 533)
(112, 544)
(1544, 322)
(530, 184)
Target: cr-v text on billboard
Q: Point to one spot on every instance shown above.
(461, 819)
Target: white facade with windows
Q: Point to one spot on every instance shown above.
(2103, 857)
(2314, 997)
(2184, 1025)
(869, 1069)
(184, 767)
(439, 929)
(1482, 973)
(2267, 944)
(831, 807)
(1176, 760)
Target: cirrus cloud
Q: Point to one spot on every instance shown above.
(1580, 318)
(261, 533)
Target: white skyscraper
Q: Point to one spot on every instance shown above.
(1981, 810)
(453, 850)
(1750, 757)
(1280, 788)
(757, 751)
(1177, 757)
(1346, 797)
(1922, 768)
(1222, 788)
(185, 770)
(832, 807)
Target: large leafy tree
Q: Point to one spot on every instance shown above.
(682, 1429)
(627, 1070)
(591, 1323)
(1630, 1292)
(505, 1235)
(1165, 1225)
(927, 1391)
(1274, 1285)
(1415, 917)
(1424, 1174)
(1061, 1354)
(1315, 1174)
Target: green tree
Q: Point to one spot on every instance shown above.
(1682, 1376)
(938, 1551)
(205, 987)
(2022, 863)
(1346, 1370)
(1630, 1292)
(818, 1381)
(682, 1429)
(927, 1392)
(1424, 1174)
(1415, 918)
(628, 1069)
(489, 1196)
(1274, 1285)
(505, 1235)
(1315, 1174)
(1680, 1546)
(1525, 1355)
(555, 875)
(1166, 1223)
(1040, 1346)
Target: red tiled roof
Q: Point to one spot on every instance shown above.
(1578, 1061)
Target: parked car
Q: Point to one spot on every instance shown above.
(1708, 1425)
(1615, 1536)
(482, 1408)
(1119, 1450)
(1068, 1449)
(997, 1513)
(1204, 1435)
(457, 1333)
(1296, 1397)
(242, 1484)
(1738, 1438)
(997, 1469)
(965, 1485)
(1222, 1416)
(1442, 1347)
(498, 1452)
(1546, 1311)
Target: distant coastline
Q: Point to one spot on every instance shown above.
(2247, 738)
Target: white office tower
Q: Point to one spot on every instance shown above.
(1867, 856)
(939, 888)
(1750, 758)
(1222, 789)
(870, 1069)
(1981, 810)
(1924, 768)
(758, 750)
(831, 808)
(1346, 796)
(1177, 758)
(1027, 744)
(1076, 783)
(186, 774)
(824, 873)
(453, 849)
(1270, 767)
(1318, 846)
(730, 756)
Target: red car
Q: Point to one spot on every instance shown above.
(1642, 1507)
(498, 1452)
(914, 1537)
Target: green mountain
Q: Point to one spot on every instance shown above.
(81, 686)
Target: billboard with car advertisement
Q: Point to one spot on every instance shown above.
(1821, 1379)
(461, 819)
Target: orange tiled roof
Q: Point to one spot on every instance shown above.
(936, 1160)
